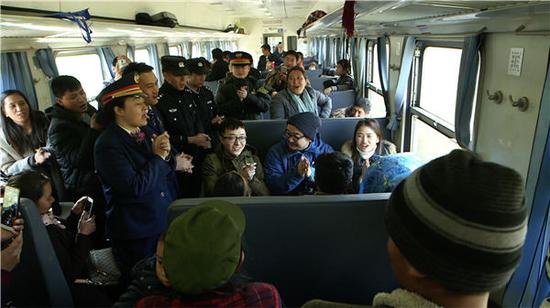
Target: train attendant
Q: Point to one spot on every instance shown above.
(137, 173)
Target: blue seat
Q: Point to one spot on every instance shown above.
(328, 247)
(341, 99)
(313, 74)
(262, 134)
(317, 82)
(213, 85)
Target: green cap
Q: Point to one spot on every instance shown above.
(202, 247)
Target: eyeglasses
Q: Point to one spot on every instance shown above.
(287, 134)
(235, 138)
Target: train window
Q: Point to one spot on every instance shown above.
(174, 50)
(142, 55)
(434, 84)
(84, 66)
(374, 93)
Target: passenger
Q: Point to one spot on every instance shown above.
(120, 62)
(266, 54)
(312, 66)
(137, 173)
(365, 148)
(231, 184)
(254, 72)
(12, 244)
(70, 239)
(300, 62)
(277, 80)
(182, 119)
(220, 68)
(457, 228)
(23, 136)
(360, 109)
(71, 137)
(238, 97)
(234, 155)
(290, 164)
(333, 174)
(344, 82)
(298, 97)
(226, 54)
(202, 257)
(279, 53)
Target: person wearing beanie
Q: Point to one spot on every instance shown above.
(200, 261)
(457, 227)
(290, 164)
(239, 97)
(136, 170)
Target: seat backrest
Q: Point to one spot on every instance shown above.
(35, 234)
(313, 73)
(213, 85)
(262, 134)
(341, 99)
(327, 247)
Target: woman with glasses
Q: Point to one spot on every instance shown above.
(233, 154)
(299, 97)
(290, 164)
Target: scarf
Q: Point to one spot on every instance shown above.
(49, 219)
(402, 298)
(365, 155)
(303, 102)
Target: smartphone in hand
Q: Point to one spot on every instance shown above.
(88, 206)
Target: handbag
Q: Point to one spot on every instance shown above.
(103, 269)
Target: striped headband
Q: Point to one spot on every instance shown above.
(130, 90)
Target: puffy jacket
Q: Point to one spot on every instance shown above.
(282, 106)
(216, 164)
(281, 167)
(72, 142)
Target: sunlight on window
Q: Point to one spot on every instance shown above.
(142, 55)
(440, 69)
(174, 51)
(378, 108)
(86, 68)
(427, 143)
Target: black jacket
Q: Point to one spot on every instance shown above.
(72, 141)
(262, 62)
(250, 108)
(219, 71)
(180, 116)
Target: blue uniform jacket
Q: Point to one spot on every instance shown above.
(138, 185)
(281, 167)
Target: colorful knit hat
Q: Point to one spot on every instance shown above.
(461, 221)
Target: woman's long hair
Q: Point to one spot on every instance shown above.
(15, 134)
(372, 124)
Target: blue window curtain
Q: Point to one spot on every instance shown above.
(154, 55)
(402, 83)
(45, 59)
(16, 75)
(166, 49)
(361, 66)
(106, 54)
(530, 284)
(185, 50)
(383, 70)
(467, 79)
(131, 52)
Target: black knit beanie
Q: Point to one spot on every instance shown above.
(307, 122)
(461, 221)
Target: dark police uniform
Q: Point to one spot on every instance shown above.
(229, 103)
(138, 184)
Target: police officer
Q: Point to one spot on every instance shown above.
(238, 97)
(202, 96)
(181, 118)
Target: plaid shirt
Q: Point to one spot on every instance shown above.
(257, 295)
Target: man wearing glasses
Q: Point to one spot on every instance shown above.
(290, 164)
(234, 155)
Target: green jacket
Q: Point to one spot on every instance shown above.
(218, 163)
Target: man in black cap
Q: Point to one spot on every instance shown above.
(266, 53)
(219, 66)
(290, 164)
(181, 118)
(238, 96)
(136, 170)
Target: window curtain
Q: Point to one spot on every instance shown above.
(45, 59)
(154, 55)
(530, 283)
(383, 70)
(361, 66)
(402, 83)
(106, 54)
(16, 75)
(131, 52)
(166, 49)
(186, 49)
(195, 50)
(467, 79)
